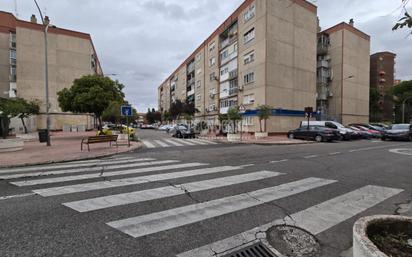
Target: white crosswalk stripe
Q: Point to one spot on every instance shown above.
(157, 193)
(78, 164)
(156, 222)
(315, 219)
(107, 174)
(148, 144)
(130, 164)
(133, 171)
(131, 181)
(174, 142)
(161, 143)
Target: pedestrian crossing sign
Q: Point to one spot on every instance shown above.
(126, 110)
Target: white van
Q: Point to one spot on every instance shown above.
(346, 133)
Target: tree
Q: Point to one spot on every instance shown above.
(152, 116)
(90, 94)
(264, 112)
(176, 109)
(167, 116)
(406, 20)
(375, 110)
(234, 116)
(16, 107)
(222, 119)
(400, 93)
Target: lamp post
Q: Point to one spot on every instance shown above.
(46, 73)
(403, 108)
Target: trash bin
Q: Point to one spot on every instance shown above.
(43, 134)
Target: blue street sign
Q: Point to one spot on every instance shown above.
(126, 110)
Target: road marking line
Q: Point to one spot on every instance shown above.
(169, 219)
(335, 153)
(196, 142)
(403, 151)
(163, 192)
(315, 219)
(72, 165)
(375, 147)
(183, 141)
(162, 144)
(284, 160)
(311, 156)
(136, 163)
(131, 181)
(106, 174)
(148, 144)
(15, 196)
(173, 142)
(207, 141)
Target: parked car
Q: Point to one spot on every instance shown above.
(147, 126)
(345, 133)
(369, 126)
(180, 131)
(398, 132)
(361, 134)
(317, 133)
(372, 132)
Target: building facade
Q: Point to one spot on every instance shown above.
(71, 55)
(343, 74)
(382, 78)
(263, 54)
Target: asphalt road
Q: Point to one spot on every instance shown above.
(186, 198)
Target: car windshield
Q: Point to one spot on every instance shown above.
(401, 126)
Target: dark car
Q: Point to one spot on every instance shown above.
(182, 131)
(316, 133)
(398, 132)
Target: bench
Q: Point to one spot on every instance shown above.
(98, 139)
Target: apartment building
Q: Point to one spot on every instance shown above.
(71, 55)
(343, 74)
(263, 54)
(382, 78)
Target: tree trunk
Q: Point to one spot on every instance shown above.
(24, 125)
(100, 127)
(265, 125)
(260, 125)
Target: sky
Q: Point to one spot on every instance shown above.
(143, 41)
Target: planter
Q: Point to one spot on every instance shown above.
(233, 137)
(259, 135)
(11, 145)
(382, 236)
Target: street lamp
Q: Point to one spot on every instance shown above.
(403, 108)
(46, 74)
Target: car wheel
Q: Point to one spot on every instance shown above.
(291, 136)
(318, 138)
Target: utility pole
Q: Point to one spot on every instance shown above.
(46, 73)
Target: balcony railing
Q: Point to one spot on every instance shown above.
(233, 74)
(233, 91)
(323, 64)
(191, 81)
(13, 77)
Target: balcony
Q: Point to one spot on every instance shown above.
(191, 92)
(323, 64)
(233, 74)
(191, 81)
(13, 77)
(228, 58)
(233, 91)
(191, 68)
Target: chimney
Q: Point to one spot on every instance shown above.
(46, 20)
(33, 18)
(352, 22)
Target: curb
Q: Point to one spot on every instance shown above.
(138, 146)
(262, 143)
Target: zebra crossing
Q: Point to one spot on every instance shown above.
(80, 177)
(175, 142)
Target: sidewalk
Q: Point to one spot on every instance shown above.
(250, 139)
(64, 147)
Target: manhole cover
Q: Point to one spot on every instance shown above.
(255, 250)
(292, 241)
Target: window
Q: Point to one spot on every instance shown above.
(224, 54)
(212, 61)
(212, 76)
(228, 103)
(212, 46)
(198, 71)
(249, 36)
(212, 91)
(13, 54)
(249, 99)
(198, 97)
(249, 57)
(198, 84)
(247, 121)
(224, 71)
(198, 57)
(249, 78)
(12, 40)
(250, 13)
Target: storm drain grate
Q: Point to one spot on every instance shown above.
(255, 250)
